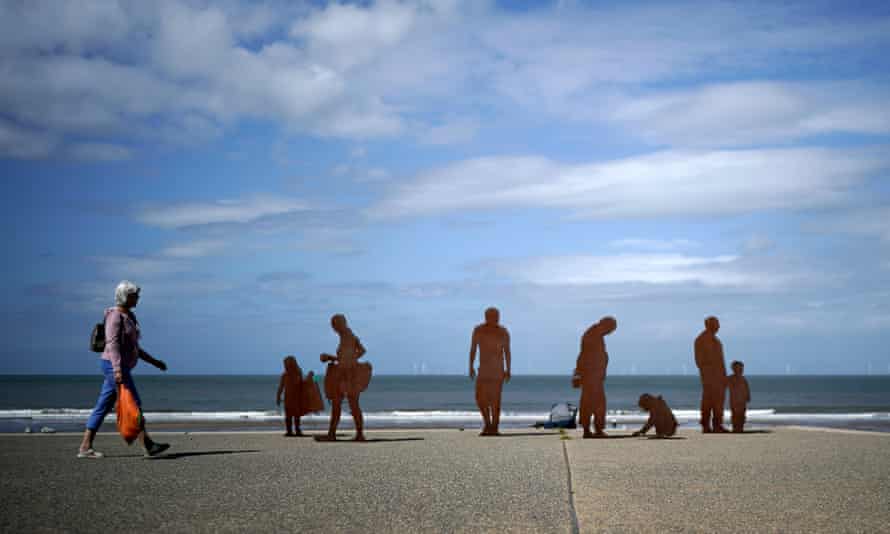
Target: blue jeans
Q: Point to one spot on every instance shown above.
(109, 394)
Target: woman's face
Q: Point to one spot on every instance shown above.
(132, 300)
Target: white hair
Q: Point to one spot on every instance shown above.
(124, 289)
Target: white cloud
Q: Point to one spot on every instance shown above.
(223, 211)
(21, 143)
(451, 132)
(368, 70)
(654, 244)
(193, 249)
(624, 268)
(865, 221)
(670, 183)
(360, 70)
(755, 112)
(757, 243)
(99, 152)
(351, 35)
(572, 62)
(136, 267)
(625, 276)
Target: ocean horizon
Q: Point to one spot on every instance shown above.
(63, 402)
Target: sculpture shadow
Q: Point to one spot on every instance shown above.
(522, 434)
(178, 455)
(372, 440)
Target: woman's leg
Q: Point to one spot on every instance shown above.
(356, 417)
(104, 404)
(586, 409)
(335, 416)
(288, 430)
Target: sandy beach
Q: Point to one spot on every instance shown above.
(786, 479)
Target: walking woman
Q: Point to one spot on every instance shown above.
(121, 354)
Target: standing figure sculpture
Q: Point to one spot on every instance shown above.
(739, 396)
(493, 342)
(712, 371)
(345, 377)
(590, 375)
(291, 384)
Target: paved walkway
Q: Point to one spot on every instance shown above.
(444, 481)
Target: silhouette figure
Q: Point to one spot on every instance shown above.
(590, 375)
(660, 416)
(120, 354)
(291, 384)
(345, 377)
(712, 371)
(739, 396)
(493, 342)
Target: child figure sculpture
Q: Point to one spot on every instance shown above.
(291, 384)
(739, 396)
(660, 416)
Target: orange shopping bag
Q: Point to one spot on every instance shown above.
(129, 414)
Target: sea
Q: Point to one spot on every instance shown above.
(56, 403)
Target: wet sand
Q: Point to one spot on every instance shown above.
(791, 480)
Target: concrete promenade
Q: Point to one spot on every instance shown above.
(788, 480)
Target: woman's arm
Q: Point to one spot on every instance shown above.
(153, 361)
(280, 389)
(649, 423)
(359, 349)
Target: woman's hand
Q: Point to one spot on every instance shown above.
(118, 377)
(161, 365)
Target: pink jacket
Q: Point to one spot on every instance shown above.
(121, 344)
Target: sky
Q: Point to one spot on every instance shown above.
(257, 166)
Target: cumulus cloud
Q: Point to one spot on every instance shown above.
(223, 211)
(135, 69)
(577, 61)
(669, 183)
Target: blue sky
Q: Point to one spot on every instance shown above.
(258, 166)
